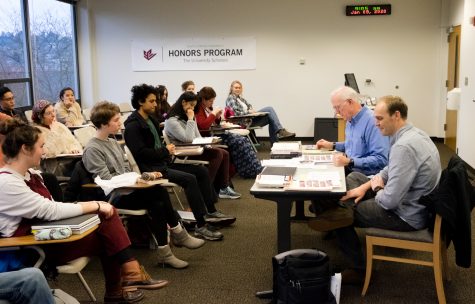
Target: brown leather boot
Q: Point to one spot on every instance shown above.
(134, 276)
(123, 296)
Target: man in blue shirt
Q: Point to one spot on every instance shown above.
(389, 200)
(365, 148)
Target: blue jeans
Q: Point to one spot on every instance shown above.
(366, 214)
(27, 285)
(270, 119)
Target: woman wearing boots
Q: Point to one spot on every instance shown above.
(103, 157)
(181, 127)
(240, 107)
(24, 197)
(241, 152)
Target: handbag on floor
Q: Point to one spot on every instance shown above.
(302, 276)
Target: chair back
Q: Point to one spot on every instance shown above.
(166, 139)
(130, 158)
(83, 135)
(87, 114)
(125, 107)
(28, 114)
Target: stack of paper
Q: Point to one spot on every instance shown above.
(206, 140)
(275, 177)
(289, 149)
(78, 224)
(316, 181)
(318, 158)
(285, 147)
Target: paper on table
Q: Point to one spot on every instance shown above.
(205, 140)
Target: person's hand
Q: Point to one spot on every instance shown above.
(324, 144)
(356, 193)
(171, 149)
(251, 110)
(340, 160)
(217, 112)
(105, 209)
(190, 113)
(377, 183)
(158, 174)
(75, 152)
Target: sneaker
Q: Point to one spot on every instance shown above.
(283, 133)
(219, 218)
(205, 233)
(332, 219)
(229, 192)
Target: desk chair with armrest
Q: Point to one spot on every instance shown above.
(135, 168)
(246, 122)
(72, 267)
(183, 158)
(83, 188)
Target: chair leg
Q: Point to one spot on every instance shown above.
(439, 283)
(84, 283)
(178, 198)
(445, 264)
(369, 265)
(252, 143)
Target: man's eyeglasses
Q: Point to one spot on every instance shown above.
(340, 106)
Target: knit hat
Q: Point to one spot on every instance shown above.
(38, 109)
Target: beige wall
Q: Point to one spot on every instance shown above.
(404, 50)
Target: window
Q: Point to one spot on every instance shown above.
(37, 60)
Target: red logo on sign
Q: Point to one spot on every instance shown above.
(148, 54)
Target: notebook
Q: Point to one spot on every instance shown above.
(78, 224)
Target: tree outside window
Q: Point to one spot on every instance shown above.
(44, 57)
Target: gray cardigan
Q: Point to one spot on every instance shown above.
(180, 131)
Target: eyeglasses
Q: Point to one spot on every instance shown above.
(340, 106)
(48, 113)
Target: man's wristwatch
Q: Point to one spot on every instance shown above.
(334, 146)
(351, 164)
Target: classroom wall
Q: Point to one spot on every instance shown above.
(402, 54)
(466, 121)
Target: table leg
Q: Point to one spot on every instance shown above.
(299, 212)
(283, 235)
(283, 224)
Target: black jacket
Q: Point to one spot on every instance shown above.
(139, 139)
(454, 201)
(75, 192)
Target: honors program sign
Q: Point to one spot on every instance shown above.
(194, 54)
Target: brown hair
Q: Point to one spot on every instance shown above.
(17, 133)
(102, 113)
(186, 84)
(395, 103)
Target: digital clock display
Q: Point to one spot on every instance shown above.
(368, 10)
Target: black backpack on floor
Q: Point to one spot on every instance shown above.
(302, 276)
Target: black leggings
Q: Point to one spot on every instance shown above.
(157, 202)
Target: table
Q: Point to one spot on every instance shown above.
(284, 200)
(28, 241)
